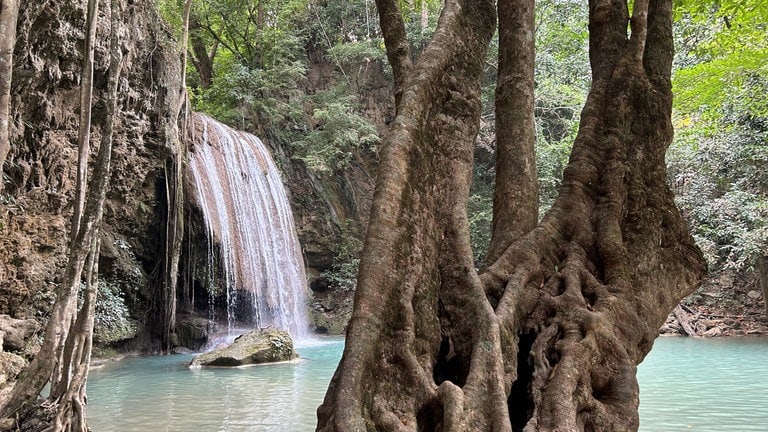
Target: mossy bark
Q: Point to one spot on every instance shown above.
(546, 338)
(9, 13)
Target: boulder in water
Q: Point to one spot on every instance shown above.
(255, 347)
(193, 332)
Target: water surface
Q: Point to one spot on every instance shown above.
(703, 385)
(150, 394)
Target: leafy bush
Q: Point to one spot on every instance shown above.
(338, 132)
(720, 182)
(112, 321)
(346, 260)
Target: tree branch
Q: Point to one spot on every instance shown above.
(398, 50)
(516, 194)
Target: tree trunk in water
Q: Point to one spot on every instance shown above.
(9, 13)
(548, 337)
(64, 357)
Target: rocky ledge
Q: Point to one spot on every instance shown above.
(699, 320)
(255, 347)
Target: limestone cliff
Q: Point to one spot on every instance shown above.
(39, 174)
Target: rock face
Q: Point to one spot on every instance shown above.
(40, 171)
(255, 347)
(193, 332)
(10, 366)
(15, 333)
(725, 305)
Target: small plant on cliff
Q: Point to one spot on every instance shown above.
(343, 273)
(112, 321)
(338, 131)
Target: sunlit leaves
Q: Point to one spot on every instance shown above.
(338, 132)
(718, 159)
(723, 45)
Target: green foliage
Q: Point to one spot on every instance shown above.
(346, 260)
(353, 53)
(480, 212)
(253, 98)
(716, 163)
(262, 54)
(338, 132)
(722, 186)
(723, 46)
(112, 321)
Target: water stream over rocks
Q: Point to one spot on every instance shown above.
(248, 215)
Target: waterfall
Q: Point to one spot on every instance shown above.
(247, 214)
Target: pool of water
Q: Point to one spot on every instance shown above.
(704, 385)
(151, 394)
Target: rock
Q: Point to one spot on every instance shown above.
(16, 332)
(255, 347)
(671, 327)
(754, 295)
(714, 332)
(10, 366)
(193, 332)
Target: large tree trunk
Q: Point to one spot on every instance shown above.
(548, 337)
(9, 13)
(202, 59)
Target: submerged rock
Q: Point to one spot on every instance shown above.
(255, 347)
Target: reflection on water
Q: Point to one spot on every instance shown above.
(162, 394)
(703, 385)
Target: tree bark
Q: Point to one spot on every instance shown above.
(548, 337)
(84, 129)
(9, 12)
(63, 359)
(174, 228)
(516, 195)
(202, 59)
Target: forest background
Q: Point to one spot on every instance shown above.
(252, 61)
(311, 78)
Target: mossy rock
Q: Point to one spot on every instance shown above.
(255, 347)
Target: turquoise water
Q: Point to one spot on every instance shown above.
(150, 394)
(703, 385)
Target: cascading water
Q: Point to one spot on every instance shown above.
(246, 211)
